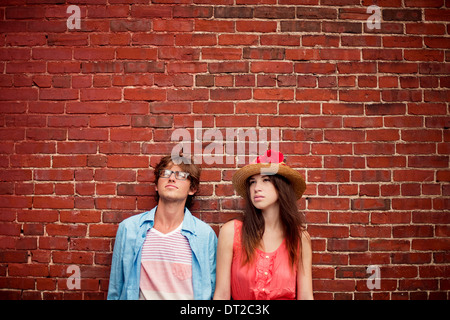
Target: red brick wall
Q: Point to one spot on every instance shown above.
(362, 113)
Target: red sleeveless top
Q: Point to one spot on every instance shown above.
(268, 277)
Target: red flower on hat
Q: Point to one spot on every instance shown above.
(271, 156)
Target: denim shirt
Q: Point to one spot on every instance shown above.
(126, 261)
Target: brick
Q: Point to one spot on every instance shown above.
(195, 39)
(145, 94)
(263, 53)
(316, 13)
(257, 108)
(329, 231)
(104, 230)
(34, 270)
(95, 94)
(116, 203)
(230, 94)
(272, 67)
(94, 53)
(136, 53)
(25, 12)
(121, 25)
(430, 244)
(370, 204)
(127, 162)
(402, 15)
(342, 27)
(72, 257)
(10, 94)
(347, 245)
(236, 121)
(313, 68)
(233, 12)
(53, 175)
(300, 26)
(214, 26)
(402, 42)
(187, 94)
(66, 230)
(53, 202)
(328, 203)
(88, 134)
(328, 175)
(89, 244)
(261, 26)
(410, 231)
(221, 53)
(228, 67)
(316, 95)
(152, 39)
(423, 55)
(280, 40)
(273, 94)
(173, 25)
(362, 115)
(274, 13)
(192, 12)
(389, 245)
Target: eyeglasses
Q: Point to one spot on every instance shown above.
(179, 175)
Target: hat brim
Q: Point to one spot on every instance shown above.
(241, 176)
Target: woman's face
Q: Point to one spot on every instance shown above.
(263, 193)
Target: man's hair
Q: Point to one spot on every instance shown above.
(186, 165)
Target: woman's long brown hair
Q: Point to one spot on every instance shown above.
(292, 220)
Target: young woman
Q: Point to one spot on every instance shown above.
(267, 255)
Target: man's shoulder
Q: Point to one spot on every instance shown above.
(202, 226)
(201, 223)
(134, 220)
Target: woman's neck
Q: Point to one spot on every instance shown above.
(271, 216)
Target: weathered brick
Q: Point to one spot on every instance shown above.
(361, 113)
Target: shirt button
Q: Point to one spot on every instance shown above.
(267, 257)
(265, 273)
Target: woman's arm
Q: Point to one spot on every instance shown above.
(224, 259)
(304, 273)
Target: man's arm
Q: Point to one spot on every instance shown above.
(116, 278)
(212, 260)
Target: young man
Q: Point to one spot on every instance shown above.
(165, 253)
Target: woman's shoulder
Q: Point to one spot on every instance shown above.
(229, 228)
(305, 235)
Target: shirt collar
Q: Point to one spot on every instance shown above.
(188, 221)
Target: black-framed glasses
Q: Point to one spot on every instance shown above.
(179, 175)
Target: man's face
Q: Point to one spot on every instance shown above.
(173, 189)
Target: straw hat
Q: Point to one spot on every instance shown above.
(268, 164)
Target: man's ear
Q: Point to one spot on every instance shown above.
(192, 191)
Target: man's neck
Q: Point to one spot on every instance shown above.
(168, 216)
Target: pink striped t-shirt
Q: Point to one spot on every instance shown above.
(166, 266)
